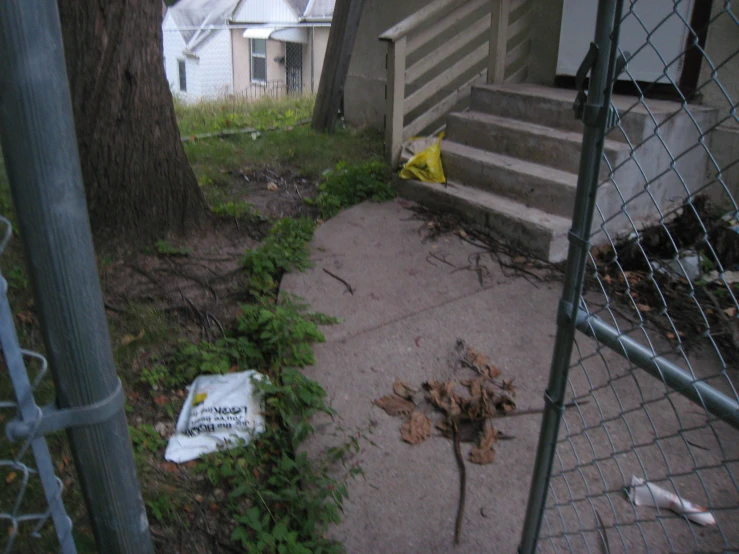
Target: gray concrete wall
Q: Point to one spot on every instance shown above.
(545, 27)
(364, 92)
(320, 38)
(722, 46)
(242, 62)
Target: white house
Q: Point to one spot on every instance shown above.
(249, 47)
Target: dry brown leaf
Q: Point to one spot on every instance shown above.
(644, 307)
(483, 453)
(25, 317)
(272, 187)
(731, 311)
(417, 429)
(480, 363)
(394, 405)
(12, 476)
(161, 400)
(128, 339)
(404, 390)
(505, 404)
(475, 386)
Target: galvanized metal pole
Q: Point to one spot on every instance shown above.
(595, 109)
(40, 148)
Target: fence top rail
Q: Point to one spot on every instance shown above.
(416, 19)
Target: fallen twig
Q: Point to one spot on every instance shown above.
(442, 260)
(536, 410)
(215, 319)
(347, 285)
(462, 484)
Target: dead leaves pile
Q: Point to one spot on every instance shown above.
(486, 397)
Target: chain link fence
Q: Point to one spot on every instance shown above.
(32, 493)
(648, 335)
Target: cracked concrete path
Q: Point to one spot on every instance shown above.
(410, 301)
(403, 319)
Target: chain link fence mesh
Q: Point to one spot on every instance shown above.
(662, 271)
(31, 491)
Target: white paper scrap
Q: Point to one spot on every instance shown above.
(643, 493)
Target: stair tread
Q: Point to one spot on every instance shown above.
(513, 164)
(534, 128)
(554, 224)
(622, 102)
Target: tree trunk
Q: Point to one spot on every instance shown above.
(138, 182)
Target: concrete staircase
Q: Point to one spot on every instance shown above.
(511, 163)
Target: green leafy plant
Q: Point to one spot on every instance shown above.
(351, 184)
(146, 439)
(285, 248)
(280, 499)
(161, 508)
(155, 376)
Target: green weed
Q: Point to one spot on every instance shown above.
(146, 439)
(237, 210)
(165, 248)
(284, 249)
(351, 184)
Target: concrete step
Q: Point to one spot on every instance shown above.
(552, 107)
(527, 141)
(544, 188)
(539, 233)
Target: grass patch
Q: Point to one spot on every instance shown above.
(309, 153)
(235, 113)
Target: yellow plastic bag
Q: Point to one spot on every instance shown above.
(426, 165)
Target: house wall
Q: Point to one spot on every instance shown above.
(319, 50)
(275, 70)
(215, 70)
(242, 63)
(209, 72)
(173, 46)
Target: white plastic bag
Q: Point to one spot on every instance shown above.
(218, 409)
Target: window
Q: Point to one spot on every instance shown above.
(183, 75)
(258, 60)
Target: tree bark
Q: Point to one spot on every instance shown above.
(138, 182)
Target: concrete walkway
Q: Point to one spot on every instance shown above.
(406, 313)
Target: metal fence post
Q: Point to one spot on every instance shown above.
(594, 115)
(40, 148)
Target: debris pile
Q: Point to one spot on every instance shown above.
(680, 275)
(460, 416)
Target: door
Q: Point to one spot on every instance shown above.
(294, 67)
(659, 61)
